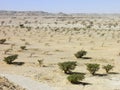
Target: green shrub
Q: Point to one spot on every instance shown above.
(10, 59)
(2, 41)
(108, 68)
(80, 54)
(75, 78)
(92, 68)
(23, 47)
(67, 66)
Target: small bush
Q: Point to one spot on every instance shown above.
(108, 68)
(40, 62)
(23, 47)
(92, 68)
(10, 59)
(2, 41)
(80, 54)
(75, 78)
(22, 26)
(67, 66)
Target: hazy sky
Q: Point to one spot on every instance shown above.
(68, 6)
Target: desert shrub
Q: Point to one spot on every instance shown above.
(2, 41)
(22, 26)
(27, 43)
(2, 22)
(92, 68)
(40, 62)
(80, 54)
(75, 78)
(29, 28)
(10, 59)
(108, 68)
(67, 66)
(23, 47)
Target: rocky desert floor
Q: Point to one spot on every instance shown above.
(57, 39)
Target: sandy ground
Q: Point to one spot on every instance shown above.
(54, 46)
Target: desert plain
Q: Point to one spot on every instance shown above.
(55, 38)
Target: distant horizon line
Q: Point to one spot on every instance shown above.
(61, 12)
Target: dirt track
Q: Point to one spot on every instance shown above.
(27, 83)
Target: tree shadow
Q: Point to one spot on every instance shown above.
(113, 73)
(24, 49)
(18, 63)
(86, 57)
(82, 83)
(76, 73)
(100, 75)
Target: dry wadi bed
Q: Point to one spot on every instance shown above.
(56, 39)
